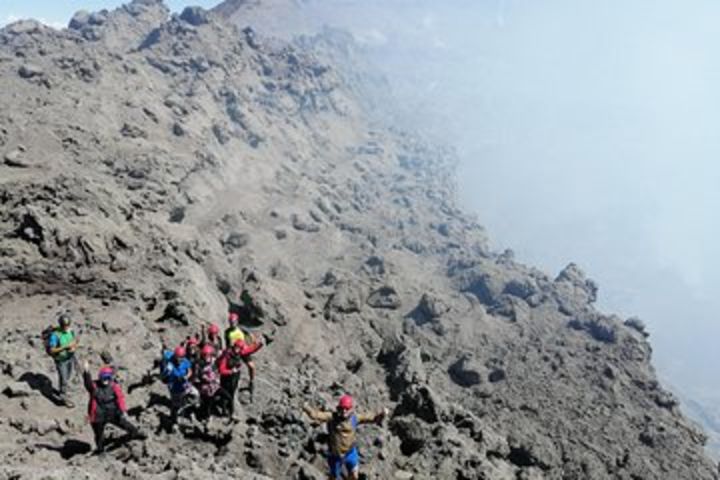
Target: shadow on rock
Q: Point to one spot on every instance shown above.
(419, 316)
(68, 449)
(41, 383)
(249, 316)
(146, 381)
(135, 411)
(156, 399)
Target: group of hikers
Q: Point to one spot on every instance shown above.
(202, 375)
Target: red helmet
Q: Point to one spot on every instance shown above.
(180, 351)
(208, 351)
(192, 342)
(346, 402)
(239, 343)
(213, 329)
(106, 373)
(233, 318)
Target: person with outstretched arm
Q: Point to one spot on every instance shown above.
(233, 334)
(107, 406)
(342, 427)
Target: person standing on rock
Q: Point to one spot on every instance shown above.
(106, 406)
(342, 427)
(62, 345)
(233, 334)
(192, 349)
(212, 395)
(177, 371)
(230, 364)
(211, 336)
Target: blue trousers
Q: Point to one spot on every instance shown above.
(351, 460)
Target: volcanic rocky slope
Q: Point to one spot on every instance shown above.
(153, 166)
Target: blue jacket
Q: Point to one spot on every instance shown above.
(175, 375)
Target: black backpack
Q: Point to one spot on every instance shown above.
(105, 397)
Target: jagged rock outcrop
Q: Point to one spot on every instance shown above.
(158, 165)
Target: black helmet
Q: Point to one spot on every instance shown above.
(64, 319)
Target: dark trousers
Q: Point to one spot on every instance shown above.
(65, 370)
(182, 402)
(115, 418)
(229, 383)
(217, 403)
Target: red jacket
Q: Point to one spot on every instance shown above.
(228, 357)
(91, 387)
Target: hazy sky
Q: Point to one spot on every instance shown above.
(588, 131)
(57, 13)
(599, 126)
